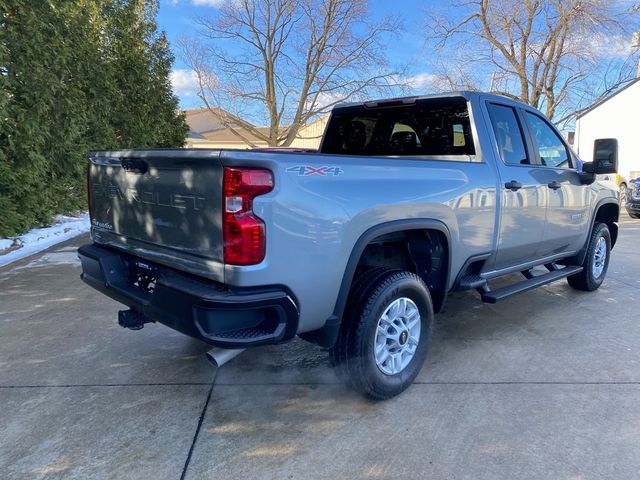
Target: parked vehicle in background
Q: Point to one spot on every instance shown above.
(621, 181)
(632, 198)
(355, 247)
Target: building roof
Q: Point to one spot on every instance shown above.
(204, 127)
(195, 135)
(606, 99)
(192, 112)
(202, 119)
(224, 135)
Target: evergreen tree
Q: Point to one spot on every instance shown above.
(75, 76)
(142, 61)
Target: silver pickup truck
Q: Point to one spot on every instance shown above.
(354, 247)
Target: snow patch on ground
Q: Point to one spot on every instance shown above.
(38, 239)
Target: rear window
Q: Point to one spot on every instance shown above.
(435, 127)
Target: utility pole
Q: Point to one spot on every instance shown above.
(635, 44)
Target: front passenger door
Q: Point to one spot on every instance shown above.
(568, 198)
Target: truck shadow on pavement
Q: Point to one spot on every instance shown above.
(467, 335)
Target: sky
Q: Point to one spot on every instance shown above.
(176, 17)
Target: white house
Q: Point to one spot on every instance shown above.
(617, 116)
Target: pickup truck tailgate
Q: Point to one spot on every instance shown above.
(163, 205)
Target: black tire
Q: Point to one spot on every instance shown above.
(634, 215)
(354, 350)
(586, 280)
(361, 285)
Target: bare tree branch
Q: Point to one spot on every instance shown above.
(542, 52)
(285, 62)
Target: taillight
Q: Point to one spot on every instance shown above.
(243, 232)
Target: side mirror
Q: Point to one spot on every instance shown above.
(605, 157)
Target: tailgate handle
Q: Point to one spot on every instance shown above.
(135, 165)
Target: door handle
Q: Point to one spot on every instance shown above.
(513, 185)
(554, 185)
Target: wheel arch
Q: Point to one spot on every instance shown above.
(326, 336)
(607, 211)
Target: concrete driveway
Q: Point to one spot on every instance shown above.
(543, 385)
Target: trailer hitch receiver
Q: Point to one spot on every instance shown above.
(132, 319)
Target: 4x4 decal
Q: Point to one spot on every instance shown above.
(308, 170)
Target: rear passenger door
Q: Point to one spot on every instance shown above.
(567, 198)
(523, 200)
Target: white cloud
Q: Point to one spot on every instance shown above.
(607, 46)
(184, 82)
(199, 3)
(421, 81)
(208, 3)
(329, 98)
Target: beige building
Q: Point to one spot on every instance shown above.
(310, 135)
(206, 131)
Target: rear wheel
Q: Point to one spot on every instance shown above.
(596, 261)
(634, 215)
(385, 334)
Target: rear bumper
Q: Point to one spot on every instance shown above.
(211, 312)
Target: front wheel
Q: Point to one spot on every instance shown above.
(385, 339)
(596, 261)
(634, 215)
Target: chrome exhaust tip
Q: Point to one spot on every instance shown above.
(219, 356)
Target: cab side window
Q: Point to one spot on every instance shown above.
(508, 134)
(548, 144)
